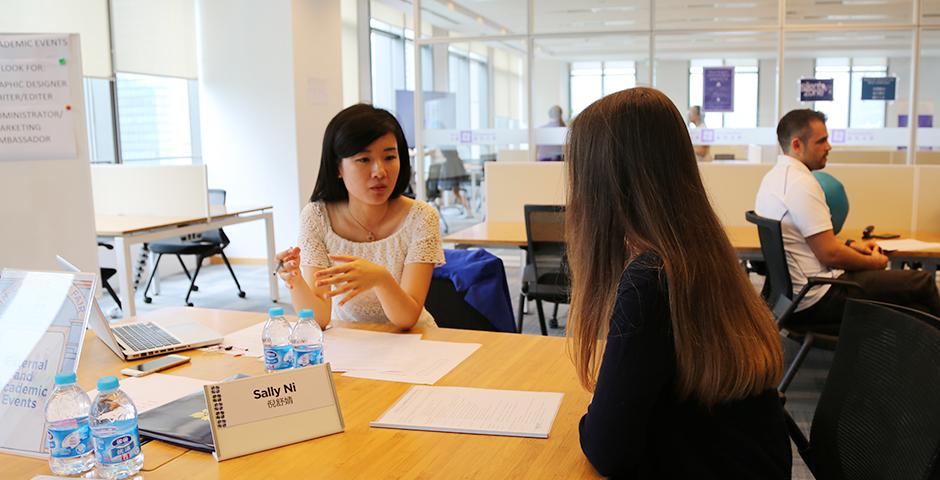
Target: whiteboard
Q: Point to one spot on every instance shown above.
(46, 205)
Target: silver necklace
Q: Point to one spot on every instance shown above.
(371, 236)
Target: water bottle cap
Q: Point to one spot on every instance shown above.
(275, 312)
(65, 378)
(305, 313)
(107, 383)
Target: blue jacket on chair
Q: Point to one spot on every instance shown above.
(480, 277)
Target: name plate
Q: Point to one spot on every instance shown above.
(252, 414)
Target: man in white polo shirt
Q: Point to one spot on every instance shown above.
(791, 194)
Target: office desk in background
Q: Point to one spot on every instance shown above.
(505, 361)
(745, 241)
(127, 230)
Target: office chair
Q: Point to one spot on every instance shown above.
(780, 298)
(106, 274)
(206, 245)
(545, 277)
(432, 188)
(877, 415)
(450, 310)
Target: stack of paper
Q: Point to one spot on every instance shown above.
(157, 389)
(395, 357)
(473, 410)
(907, 244)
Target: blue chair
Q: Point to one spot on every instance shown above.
(469, 291)
(836, 198)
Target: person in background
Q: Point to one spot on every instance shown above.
(696, 120)
(684, 377)
(366, 251)
(551, 153)
(791, 194)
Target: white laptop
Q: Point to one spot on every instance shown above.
(143, 339)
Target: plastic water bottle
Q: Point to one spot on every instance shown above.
(276, 340)
(114, 430)
(69, 434)
(307, 340)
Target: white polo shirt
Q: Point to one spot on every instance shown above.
(791, 194)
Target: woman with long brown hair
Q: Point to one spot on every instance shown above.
(665, 328)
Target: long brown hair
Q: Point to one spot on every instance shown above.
(634, 186)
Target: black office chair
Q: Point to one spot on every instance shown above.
(781, 300)
(545, 277)
(433, 191)
(877, 416)
(451, 311)
(205, 245)
(106, 274)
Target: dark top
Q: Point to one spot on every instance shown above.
(636, 427)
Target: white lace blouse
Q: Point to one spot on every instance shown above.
(417, 240)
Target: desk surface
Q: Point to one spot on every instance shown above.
(743, 239)
(505, 361)
(115, 225)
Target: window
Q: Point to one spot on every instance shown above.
(468, 75)
(158, 119)
(393, 64)
(745, 93)
(847, 109)
(590, 81)
(100, 121)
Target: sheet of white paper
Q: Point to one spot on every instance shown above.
(907, 244)
(473, 410)
(424, 362)
(350, 349)
(247, 341)
(344, 348)
(151, 391)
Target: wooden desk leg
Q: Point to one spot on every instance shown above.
(272, 264)
(123, 255)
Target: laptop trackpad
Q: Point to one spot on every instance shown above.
(192, 332)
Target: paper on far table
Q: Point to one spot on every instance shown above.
(473, 410)
(422, 362)
(151, 391)
(907, 244)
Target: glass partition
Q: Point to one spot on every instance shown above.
(724, 83)
(473, 18)
(812, 12)
(928, 103)
(553, 16)
(867, 105)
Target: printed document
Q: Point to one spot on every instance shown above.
(473, 410)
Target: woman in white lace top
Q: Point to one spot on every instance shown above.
(365, 251)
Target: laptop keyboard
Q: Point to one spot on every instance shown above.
(144, 336)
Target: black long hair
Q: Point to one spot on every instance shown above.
(348, 133)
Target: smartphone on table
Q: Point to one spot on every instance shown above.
(155, 365)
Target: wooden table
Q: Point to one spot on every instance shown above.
(744, 240)
(505, 361)
(127, 230)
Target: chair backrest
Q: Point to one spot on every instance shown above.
(434, 174)
(216, 196)
(453, 166)
(545, 237)
(449, 309)
(778, 273)
(836, 199)
(877, 416)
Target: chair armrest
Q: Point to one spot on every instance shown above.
(813, 281)
(105, 245)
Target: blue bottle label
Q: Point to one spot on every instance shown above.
(278, 357)
(116, 442)
(69, 438)
(306, 355)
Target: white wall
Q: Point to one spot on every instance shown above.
(268, 72)
(350, 52)
(793, 71)
(767, 93)
(551, 88)
(246, 92)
